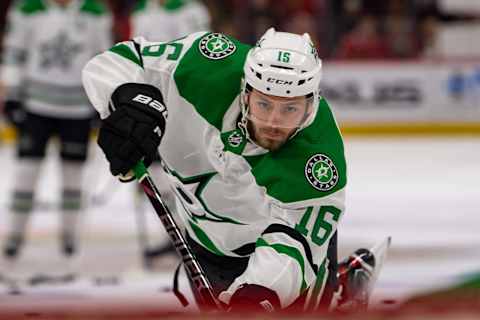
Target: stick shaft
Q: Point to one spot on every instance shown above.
(194, 270)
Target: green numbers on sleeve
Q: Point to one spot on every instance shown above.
(156, 50)
(174, 49)
(302, 225)
(322, 228)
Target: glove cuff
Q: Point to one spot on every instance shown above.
(143, 97)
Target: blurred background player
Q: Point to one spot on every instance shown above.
(165, 20)
(46, 45)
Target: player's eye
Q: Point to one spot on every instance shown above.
(290, 109)
(263, 105)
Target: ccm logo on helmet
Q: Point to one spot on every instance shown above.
(280, 81)
(149, 101)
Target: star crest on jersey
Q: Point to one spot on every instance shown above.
(321, 173)
(60, 51)
(216, 46)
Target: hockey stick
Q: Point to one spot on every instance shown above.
(148, 251)
(194, 270)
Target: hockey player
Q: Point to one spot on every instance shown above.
(165, 20)
(47, 44)
(251, 149)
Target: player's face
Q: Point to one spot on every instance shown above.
(272, 119)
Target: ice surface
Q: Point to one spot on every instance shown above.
(424, 192)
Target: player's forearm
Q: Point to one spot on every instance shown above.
(103, 74)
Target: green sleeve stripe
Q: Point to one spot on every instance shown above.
(204, 239)
(125, 51)
(292, 252)
(313, 297)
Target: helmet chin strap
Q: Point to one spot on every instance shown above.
(243, 123)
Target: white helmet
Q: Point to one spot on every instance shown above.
(285, 65)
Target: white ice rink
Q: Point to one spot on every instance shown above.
(424, 192)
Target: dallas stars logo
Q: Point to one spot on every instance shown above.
(59, 51)
(216, 46)
(321, 173)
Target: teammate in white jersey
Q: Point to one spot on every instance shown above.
(165, 20)
(45, 49)
(251, 150)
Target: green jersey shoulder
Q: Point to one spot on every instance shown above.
(94, 7)
(31, 7)
(209, 75)
(168, 5)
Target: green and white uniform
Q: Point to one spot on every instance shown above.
(46, 47)
(171, 20)
(235, 198)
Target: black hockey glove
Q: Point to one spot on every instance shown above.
(254, 298)
(14, 112)
(134, 129)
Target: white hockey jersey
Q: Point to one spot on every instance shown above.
(236, 199)
(45, 49)
(171, 20)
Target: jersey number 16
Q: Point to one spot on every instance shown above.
(322, 228)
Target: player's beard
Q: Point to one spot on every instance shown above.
(269, 137)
